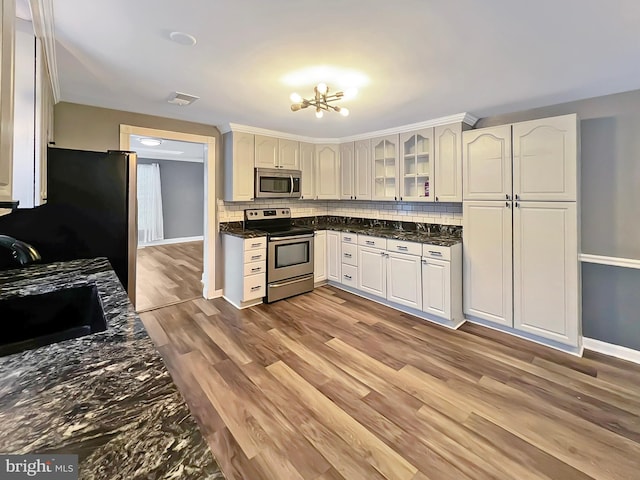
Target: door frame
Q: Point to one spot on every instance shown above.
(210, 216)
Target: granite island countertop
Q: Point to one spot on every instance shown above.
(106, 397)
(443, 235)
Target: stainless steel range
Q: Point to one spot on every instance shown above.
(289, 252)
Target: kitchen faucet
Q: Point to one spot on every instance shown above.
(22, 252)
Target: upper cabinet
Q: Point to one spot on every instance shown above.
(362, 170)
(347, 171)
(239, 154)
(288, 154)
(417, 166)
(447, 181)
(385, 168)
(327, 172)
(487, 163)
(7, 36)
(308, 168)
(545, 159)
(266, 152)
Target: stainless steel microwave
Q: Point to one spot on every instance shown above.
(277, 183)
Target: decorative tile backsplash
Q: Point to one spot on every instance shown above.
(440, 213)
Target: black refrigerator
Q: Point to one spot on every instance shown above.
(90, 211)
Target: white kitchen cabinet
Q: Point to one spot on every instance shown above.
(372, 271)
(362, 170)
(244, 270)
(487, 165)
(487, 269)
(239, 154)
(320, 256)
(417, 166)
(545, 159)
(333, 256)
(7, 41)
(436, 290)
(545, 269)
(266, 152)
(308, 168)
(347, 173)
(288, 154)
(447, 182)
(327, 172)
(385, 168)
(404, 279)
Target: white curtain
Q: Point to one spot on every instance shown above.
(150, 224)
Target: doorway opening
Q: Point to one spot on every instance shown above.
(175, 219)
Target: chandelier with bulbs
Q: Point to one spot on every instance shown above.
(320, 101)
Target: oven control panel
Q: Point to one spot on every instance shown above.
(267, 213)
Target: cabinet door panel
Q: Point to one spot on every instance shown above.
(436, 287)
(362, 170)
(372, 272)
(545, 256)
(333, 256)
(404, 280)
(243, 177)
(308, 167)
(346, 171)
(448, 163)
(320, 256)
(288, 154)
(327, 172)
(385, 168)
(545, 159)
(487, 238)
(416, 166)
(266, 151)
(486, 157)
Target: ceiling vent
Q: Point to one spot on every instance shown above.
(182, 99)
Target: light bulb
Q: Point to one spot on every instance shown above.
(295, 98)
(319, 113)
(344, 112)
(322, 88)
(350, 93)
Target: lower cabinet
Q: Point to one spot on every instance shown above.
(404, 280)
(436, 295)
(372, 271)
(320, 256)
(333, 256)
(244, 287)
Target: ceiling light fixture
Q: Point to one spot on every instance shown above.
(183, 38)
(320, 101)
(151, 142)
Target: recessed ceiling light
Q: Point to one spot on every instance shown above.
(183, 38)
(151, 142)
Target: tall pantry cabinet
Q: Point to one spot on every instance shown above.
(520, 227)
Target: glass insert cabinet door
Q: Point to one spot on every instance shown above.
(416, 166)
(385, 168)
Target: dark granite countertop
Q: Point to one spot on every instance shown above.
(443, 235)
(106, 397)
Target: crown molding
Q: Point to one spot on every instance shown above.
(43, 26)
(457, 118)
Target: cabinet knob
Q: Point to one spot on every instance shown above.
(517, 205)
(437, 199)
(507, 204)
(507, 195)
(355, 198)
(517, 197)
(395, 198)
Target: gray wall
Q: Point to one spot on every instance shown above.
(182, 185)
(610, 202)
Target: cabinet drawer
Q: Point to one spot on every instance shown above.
(255, 243)
(402, 246)
(349, 275)
(254, 287)
(251, 256)
(349, 237)
(373, 242)
(350, 254)
(254, 268)
(436, 251)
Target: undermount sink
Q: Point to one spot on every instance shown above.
(37, 320)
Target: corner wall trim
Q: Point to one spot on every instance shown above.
(170, 241)
(611, 349)
(44, 28)
(613, 261)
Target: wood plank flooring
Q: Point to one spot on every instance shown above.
(168, 274)
(328, 386)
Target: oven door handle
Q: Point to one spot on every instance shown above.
(292, 237)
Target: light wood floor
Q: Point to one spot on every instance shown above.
(167, 274)
(330, 386)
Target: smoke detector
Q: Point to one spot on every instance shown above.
(182, 99)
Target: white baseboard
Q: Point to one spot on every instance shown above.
(170, 241)
(611, 349)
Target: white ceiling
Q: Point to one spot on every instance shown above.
(421, 59)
